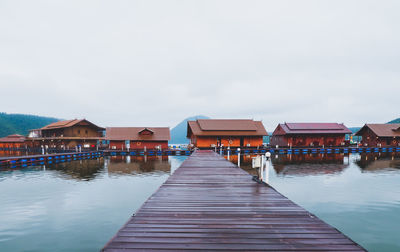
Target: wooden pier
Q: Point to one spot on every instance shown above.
(210, 204)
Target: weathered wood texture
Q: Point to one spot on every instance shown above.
(210, 204)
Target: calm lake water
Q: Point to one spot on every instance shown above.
(80, 205)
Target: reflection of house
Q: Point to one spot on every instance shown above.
(80, 170)
(138, 137)
(309, 134)
(67, 134)
(309, 164)
(380, 134)
(206, 133)
(378, 161)
(138, 164)
(12, 141)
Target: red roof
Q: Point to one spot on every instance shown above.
(226, 127)
(382, 130)
(311, 128)
(13, 139)
(68, 123)
(134, 133)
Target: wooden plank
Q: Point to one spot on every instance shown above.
(209, 204)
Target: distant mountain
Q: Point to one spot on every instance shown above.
(178, 133)
(21, 124)
(354, 129)
(395, 121)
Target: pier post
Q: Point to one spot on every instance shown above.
(267, 161)
(238, 149)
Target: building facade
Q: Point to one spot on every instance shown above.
(67, 134)
(208, 133)
(136, 138)
(380, 135)
(309, 135)
(12, 142)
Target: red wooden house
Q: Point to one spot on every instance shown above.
(122, 138)
(309, 134)
(380, 135)
(67, 134)
(12, 141)
(207, 133)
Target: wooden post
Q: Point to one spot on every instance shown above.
(267, 161)
(238, 149)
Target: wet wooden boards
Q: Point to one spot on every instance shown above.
(209, 204)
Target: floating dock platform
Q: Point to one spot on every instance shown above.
(210, 204)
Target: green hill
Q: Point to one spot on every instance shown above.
(21, 124)
(395, 121)
(354, 129)
(178, 133)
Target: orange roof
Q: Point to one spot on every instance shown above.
(66, 124)
(226, 127)
(13, 139)
(134, 133)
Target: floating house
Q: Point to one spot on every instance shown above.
(380, 135)
(207, 133)
(12, 141)
(67, 134)
(123, 138)
(309, 135)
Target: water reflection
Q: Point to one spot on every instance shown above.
(373, 162)
(299, 165)
(64, 201)
(8, 153)
(86, 169)
(138, 164)
(310, 164)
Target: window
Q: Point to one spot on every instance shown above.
(86, 131)
(79, 131)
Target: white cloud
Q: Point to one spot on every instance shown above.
(156, 62)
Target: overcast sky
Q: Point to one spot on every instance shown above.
(154, 63)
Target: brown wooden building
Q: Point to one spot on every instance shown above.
(122, 138)
(207, 133)
(309, 134)
(67, 134)
(12, 141)
(380, 135)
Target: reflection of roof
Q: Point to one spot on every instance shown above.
(382, 164)
(68, 123)
(382, 130)
(136, 133)
(137, 165)
(13, 139)
(309, 169)
(314, 128)
(227, 127)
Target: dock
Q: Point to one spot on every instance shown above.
(47, 158)
(210, 204)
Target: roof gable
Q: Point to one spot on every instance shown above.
(138, 133)
(312, 128)
(13, 138)
(382, 130)
(226, 124)
(225, 127)
(69, 123)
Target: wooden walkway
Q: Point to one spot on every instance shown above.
(210, 204)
